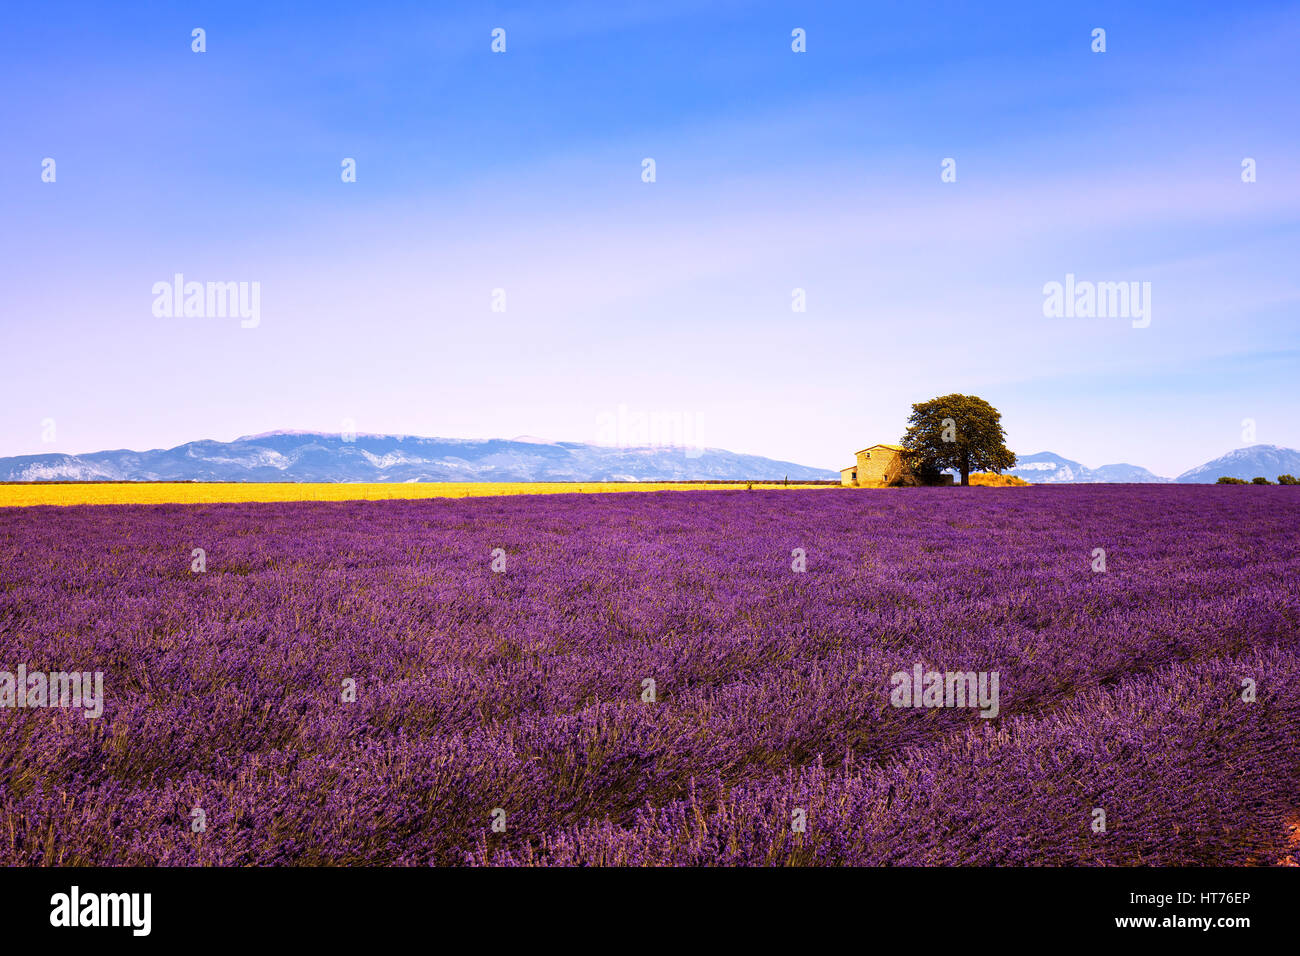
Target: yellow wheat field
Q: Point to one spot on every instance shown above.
(985, 479)
(193, 493)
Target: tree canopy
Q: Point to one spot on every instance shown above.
(961, 432)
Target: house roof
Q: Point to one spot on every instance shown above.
(850, 468)
(882, 445)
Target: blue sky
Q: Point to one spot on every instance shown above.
(775, 170)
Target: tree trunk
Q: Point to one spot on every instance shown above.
(965, 469)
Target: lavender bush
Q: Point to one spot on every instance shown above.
(521, 690)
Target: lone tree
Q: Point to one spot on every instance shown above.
(956, 431)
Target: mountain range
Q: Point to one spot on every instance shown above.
(1268, 461)
(317, 456)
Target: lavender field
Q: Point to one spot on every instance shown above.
(518, 697)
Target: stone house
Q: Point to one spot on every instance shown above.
(878, 466)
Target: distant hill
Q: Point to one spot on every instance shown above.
(1047, 467)
(1267, 460)
(312, 456)
(315, 456)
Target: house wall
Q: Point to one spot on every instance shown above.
(878, 467)
(849, 476)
